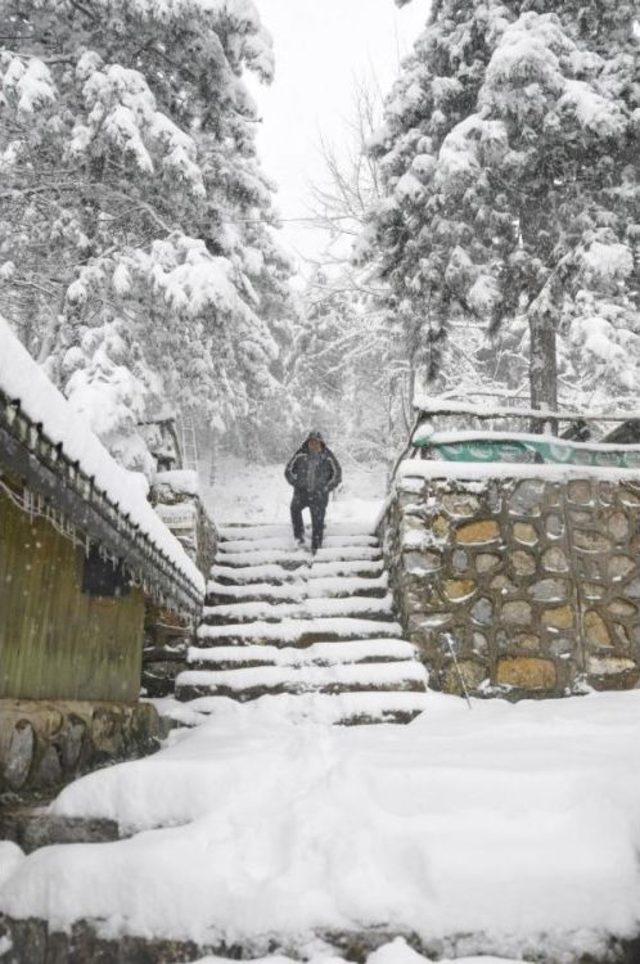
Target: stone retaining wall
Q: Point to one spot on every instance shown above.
(533, 584)
(45, 744)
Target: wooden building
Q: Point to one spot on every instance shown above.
(84, 559)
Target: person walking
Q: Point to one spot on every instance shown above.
(314, 472)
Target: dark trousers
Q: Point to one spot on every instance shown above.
(316, 502)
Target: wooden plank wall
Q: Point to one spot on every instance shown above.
(55, 641)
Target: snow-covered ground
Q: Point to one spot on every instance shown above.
(260, 493)
(508, 830)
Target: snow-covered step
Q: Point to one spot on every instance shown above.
(245, 612)
(298, 556)
(318, 654)
(301, 632)
(283, 529)
(250, 684)
(277, 574)
(328, 587)
(288, 542)
(344, 709)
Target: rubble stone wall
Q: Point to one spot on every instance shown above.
(45, 744)
(533, 585)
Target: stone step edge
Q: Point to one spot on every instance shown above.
(189, 691)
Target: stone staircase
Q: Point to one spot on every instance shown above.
(316, 631)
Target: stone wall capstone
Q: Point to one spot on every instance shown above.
(533, 584)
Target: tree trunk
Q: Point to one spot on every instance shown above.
(543, 368)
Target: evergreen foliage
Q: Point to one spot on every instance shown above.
(136, 260)
(510, 153)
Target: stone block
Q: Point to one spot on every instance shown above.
(49, 769)
(20, 755)
(619, 567)
(595, 630)
(579, 491)
(555, 560)
(554, 526)
(581, 518)
(460, 560)
(606, 493)
(460, 506)
(621, 635)
(622, 608)
(593, 590)
(486, 561)
(560, 618)
(478, 533)
(525, 533)
(612, 672)
(503, 585)
(480, 643)
(422, 563)
(632, 589)
(561, 646)
(618, 526)
(526, 499)
(629, 496)
(473, 673)
(458, 590)
(482, 611)
(527, 673)
(440, 527)
(522, 562)
(516, 613)
(589, 540)
(550, 590)
(526, 642)
(428, 621)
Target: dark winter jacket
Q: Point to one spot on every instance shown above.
(318, 474)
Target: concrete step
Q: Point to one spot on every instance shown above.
(318, 654)
(288, 543)
(238, 530)
(298, 556)
(252, 683)
(342, 709)
(246, 612)
(330, 587)
(298, 632)
(302, 570)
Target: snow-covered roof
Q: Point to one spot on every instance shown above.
(23, 381)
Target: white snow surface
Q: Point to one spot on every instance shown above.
(318, 653)
(249, 574)
(22, 378)
(331, 586)
(309, 677)
(306, 609)
(267, 556)
(506, 829)
(481, 471)
(291, 630)
(397, 951)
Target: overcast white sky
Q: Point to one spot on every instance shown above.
(320, 46)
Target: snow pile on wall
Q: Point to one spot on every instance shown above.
(507, 829)
(395, 952)
(22, 378)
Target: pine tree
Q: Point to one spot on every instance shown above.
(511, 165)
(131, 234)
